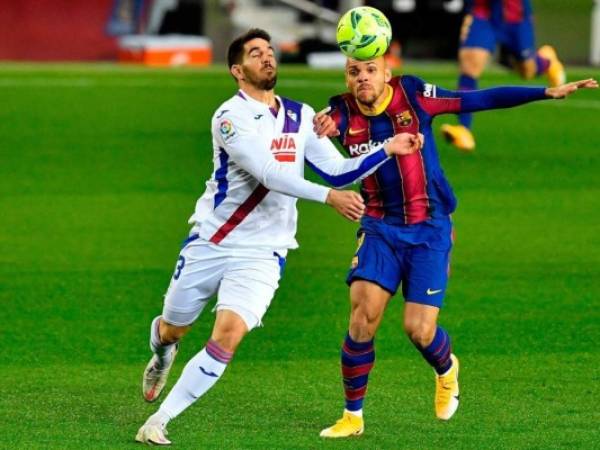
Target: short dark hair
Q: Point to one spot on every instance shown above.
(235, 52)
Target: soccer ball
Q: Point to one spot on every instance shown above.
(364, 33)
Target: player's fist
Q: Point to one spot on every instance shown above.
(348, 203)
(566, 89)
(404, 144)
(324, 125)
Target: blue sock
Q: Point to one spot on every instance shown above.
(438, 352)
(357, 361)
(466, 83)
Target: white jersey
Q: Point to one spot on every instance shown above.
(259, 156)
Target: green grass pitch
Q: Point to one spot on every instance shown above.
(100, 167)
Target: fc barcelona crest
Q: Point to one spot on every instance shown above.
(404, 119)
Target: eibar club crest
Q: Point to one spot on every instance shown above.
(292, 115)
(404, 119)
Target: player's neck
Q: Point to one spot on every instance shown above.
(260, 95)
(379, 105)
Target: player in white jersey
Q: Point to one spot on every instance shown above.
(245, 222)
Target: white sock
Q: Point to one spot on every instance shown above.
(198, 376)
(357, 413)
(160, 417)
(164, 352)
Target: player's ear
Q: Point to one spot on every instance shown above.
(236, 71)
(387, 74)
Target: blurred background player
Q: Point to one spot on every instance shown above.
(405, 236)
(508, 23)
(245, 222)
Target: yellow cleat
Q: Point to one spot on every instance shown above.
(446, 392)
(459, 136)
(556, 71)
(348, 425)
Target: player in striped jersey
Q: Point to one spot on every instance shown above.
(405, 236)
(245, 222)
(488, 23)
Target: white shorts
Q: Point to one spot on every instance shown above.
(244, 281)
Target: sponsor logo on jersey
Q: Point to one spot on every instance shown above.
(354, 132)
(292, 115)
(221, 113)
(226, 129)
(284, 148)
(429, 90)
(365, 147)
(404, 119)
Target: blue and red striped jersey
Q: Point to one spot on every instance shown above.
(413, 188)
(508, 11)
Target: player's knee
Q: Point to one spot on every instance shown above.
(472, 63)
(420, 333)
(363, 324)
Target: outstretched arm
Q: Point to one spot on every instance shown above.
(325, 160)
(437, 101)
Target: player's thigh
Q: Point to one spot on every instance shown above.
(375, 261)
(248, 287)
(477, 34)
(426, 279)
(519, 39)
(196, 278)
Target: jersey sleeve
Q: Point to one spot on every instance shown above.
(326, 161)
(247, 148)
(435, 100)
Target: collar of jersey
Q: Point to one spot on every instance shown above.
(381, 108)
(258, 104)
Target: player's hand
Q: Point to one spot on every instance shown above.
(348, 203)
(567, 89)
(404, 144)
(324, 125)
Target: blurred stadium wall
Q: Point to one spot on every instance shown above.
(76, 30)
(47, 30)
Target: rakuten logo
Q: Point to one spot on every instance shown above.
(366, 147)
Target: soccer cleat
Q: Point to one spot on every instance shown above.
(446, 392)
(152, 433)
(556, 71)
(155, 378)
(459, 136)
(348, 425)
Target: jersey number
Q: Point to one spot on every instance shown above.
(179, 267)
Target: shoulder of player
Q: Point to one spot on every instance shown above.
(411, 83)
(233, 109)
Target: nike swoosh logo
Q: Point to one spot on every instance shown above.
(210, 374)
(352, 132)
(433, 292)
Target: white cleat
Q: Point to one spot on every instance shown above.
(155, 378)
(152, 433)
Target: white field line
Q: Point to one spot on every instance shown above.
(146, 82)
(329, 85)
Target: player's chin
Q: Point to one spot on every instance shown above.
(268, 83)
(366, 97)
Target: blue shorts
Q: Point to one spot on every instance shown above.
(416, 256)
(517, 38)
